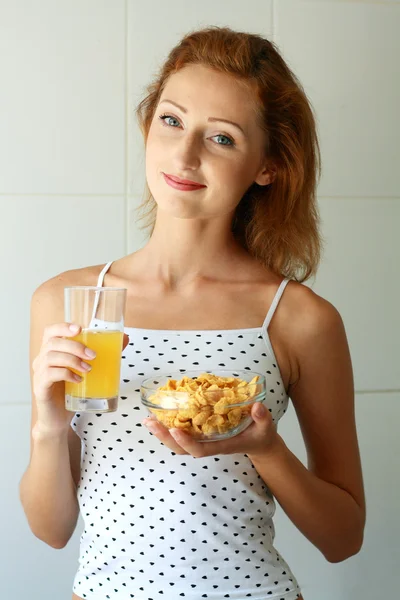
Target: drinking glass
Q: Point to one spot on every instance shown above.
(100, 311)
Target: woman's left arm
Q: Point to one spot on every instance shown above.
(326, 501)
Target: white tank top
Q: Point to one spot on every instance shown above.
(164, 526)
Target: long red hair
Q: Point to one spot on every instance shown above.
(278, 224)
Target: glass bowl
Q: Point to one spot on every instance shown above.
(199, 406)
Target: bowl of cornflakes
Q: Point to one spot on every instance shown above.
(208, 405)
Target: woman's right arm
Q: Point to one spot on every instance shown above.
(48, 486)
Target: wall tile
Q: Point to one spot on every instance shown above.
(62, 106)
(358, 275)
(345, 54)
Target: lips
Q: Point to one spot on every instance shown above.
(185, 182)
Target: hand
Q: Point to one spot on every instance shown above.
(57, 357)
(257, 440)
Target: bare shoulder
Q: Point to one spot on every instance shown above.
(303, 321)
(83, 276)
(52, 289)
(311, 315)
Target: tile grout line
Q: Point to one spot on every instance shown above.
(273, 20)
(357, 393)
(60, 195)
(125, 193)
(369, 392)
(126, 203)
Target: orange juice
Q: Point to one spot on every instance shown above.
(102, 382)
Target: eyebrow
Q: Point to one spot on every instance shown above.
(210, 119)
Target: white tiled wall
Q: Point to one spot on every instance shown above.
(359, 276)
(62, 106)
(72, 173)
(344, 54)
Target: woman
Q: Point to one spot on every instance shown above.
(231, 166)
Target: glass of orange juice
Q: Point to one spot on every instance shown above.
(100, 311)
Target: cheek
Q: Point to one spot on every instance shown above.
(157, 152)
(235, 178)
(159, 136)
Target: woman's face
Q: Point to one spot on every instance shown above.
(191, 142)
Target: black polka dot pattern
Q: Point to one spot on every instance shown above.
(160, 525)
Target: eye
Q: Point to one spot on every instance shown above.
(165, 117)
(230, 141)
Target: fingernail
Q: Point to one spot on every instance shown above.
(175, 433)
(259, 411)
(86, 366)
(90, 353)
(151, 426)
(74, 328)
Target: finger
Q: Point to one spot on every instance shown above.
(125, 341)
(60, 330)
(259, 412)
(163, 434)
(233, 445)
(54, 375)
(56, 344)
(64, 359)
(196, 449)
(262, 418)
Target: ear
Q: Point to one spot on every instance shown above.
(266, 175)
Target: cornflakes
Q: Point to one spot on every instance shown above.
(203, 405)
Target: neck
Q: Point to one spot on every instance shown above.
(181, 252)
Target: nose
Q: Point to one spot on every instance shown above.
(187, 153)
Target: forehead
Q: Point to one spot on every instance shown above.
(200, 88)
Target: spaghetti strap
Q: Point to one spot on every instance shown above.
(274, 304)
(100, 281)
(102, 273)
